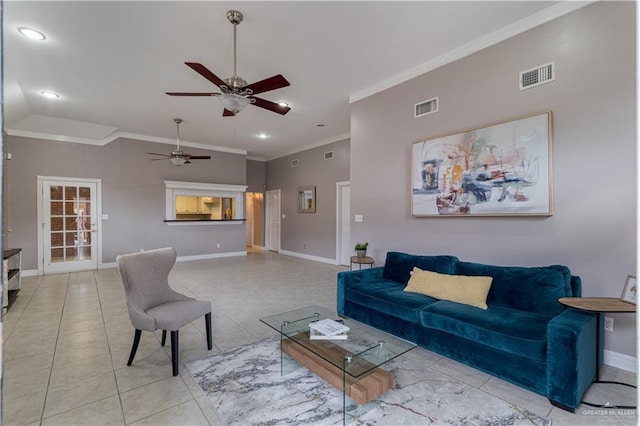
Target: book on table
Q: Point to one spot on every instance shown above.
(328, 327)
(314, 335)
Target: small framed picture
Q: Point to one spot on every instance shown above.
(629, 293)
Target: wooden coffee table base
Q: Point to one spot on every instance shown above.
(361, 389)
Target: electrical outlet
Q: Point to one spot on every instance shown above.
(608, 324)
(218, 245)
(304, 246)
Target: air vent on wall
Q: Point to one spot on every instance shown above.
(328, 155)
(539, 75)
(294, 163)
(425, 107)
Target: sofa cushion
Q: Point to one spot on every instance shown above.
(534, 289)
(455, 288)
(518, 332)
(398, 266)
(388, 297)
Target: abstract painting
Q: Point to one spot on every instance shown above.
(498, 170)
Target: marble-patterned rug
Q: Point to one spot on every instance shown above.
(246, 387)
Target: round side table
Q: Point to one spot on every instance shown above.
(366, 260)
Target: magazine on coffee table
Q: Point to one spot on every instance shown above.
(328, 327)
(314, 335)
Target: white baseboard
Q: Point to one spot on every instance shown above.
(194, 257)
(211, 256)
(621, 361)
(309, 257)
(29, 273)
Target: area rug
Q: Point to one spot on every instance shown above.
(246, 387)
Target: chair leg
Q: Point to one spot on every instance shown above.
(174, 351)
(164, 337)
(207, 323)
(134, 348)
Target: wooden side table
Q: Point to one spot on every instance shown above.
(361, 261)
(600, 305)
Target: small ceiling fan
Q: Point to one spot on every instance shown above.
(177, 156)
(236, 93)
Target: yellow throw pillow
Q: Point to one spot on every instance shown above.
(455, 288)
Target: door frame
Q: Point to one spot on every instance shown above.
(41, 213)
(340, 243)
(268, 218)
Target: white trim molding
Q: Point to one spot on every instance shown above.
(111, 265)
(174, 188)
(621, 361)
(309, 257)
(542, 17)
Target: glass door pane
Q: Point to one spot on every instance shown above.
(71, 224)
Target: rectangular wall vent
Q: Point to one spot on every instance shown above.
(539, 75)
(425, 107)
(328, 155)
(294, 163)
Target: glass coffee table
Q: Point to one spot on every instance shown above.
(353, 366)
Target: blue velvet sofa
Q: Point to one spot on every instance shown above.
(524, 336)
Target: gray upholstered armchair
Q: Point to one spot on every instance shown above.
(152, 304)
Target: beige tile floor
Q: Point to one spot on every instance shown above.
(67, 339)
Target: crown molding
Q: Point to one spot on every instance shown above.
(182, 143)
(542, 17)
(323, 142)
(117, 135)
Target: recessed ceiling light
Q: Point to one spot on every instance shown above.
(283, 104)
(31, 33)
(262, 135)
(49, 94)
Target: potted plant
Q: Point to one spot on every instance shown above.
(361, 249)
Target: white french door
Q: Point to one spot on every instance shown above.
(69, 237)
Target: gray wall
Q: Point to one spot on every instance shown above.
(256, 176)
(315, 230)
(593, 228)
(133, 194)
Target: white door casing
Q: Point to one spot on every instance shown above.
(69, 229)
(273, 220)
(343, 224)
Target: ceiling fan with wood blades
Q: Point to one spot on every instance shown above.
(236, 93)
(177, 156)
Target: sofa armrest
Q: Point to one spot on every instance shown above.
(571, 356)
(345, 279)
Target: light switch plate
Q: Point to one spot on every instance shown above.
(358, 218)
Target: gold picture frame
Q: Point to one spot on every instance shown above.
(307, 199)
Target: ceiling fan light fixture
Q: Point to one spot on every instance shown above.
(234, 103)
(177, 161)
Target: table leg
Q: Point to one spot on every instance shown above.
(597, 380)
(598, 325)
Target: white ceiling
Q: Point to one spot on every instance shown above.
(111, 62)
